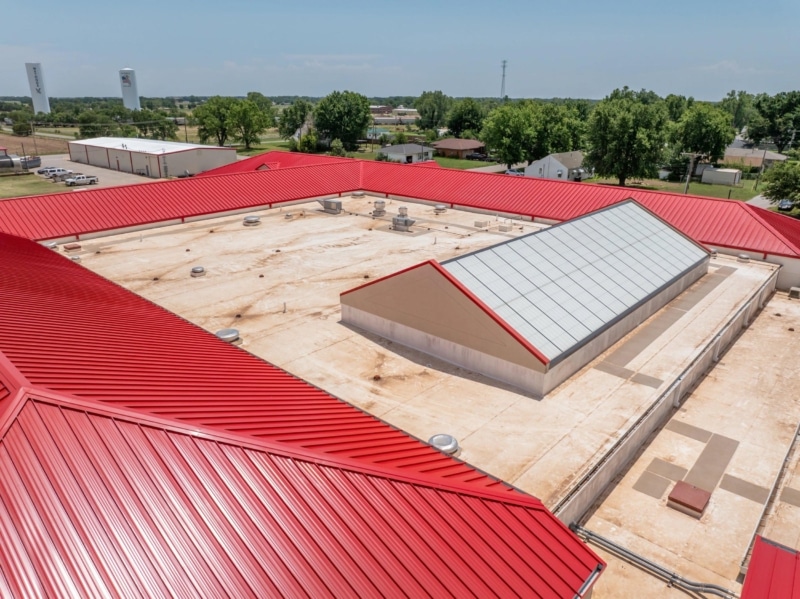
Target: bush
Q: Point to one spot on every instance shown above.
(337, 148)
(21, 128)
(308, 143)
(381, 157)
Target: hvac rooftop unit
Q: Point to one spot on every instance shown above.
(402, 223)
(331, 206)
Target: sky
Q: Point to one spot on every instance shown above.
(579, 49)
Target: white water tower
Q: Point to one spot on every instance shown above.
(41, 103)
(130, 94)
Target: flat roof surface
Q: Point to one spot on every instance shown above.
(561, 286)
(145, 146)
(291, 317)
(730, 435)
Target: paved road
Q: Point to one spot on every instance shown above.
(497, 168)
(760, 201)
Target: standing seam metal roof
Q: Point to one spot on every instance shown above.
(715, 222)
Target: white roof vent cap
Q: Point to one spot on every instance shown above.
(445, 443)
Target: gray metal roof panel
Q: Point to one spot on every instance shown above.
(561, 286)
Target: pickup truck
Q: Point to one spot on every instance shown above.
(81, 180)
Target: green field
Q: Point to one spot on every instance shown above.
(745, 192)
(12, 186)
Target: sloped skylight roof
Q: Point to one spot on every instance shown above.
(561, 286)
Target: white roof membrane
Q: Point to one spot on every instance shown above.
(561, 286)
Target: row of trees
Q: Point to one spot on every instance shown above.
(221, 119)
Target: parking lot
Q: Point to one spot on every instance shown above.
(107, 177)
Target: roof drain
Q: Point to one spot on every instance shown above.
(445, 443)
(229, 336)
(251, 221)
(198, 271)
(672, 578)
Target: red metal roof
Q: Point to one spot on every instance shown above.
(274, 160)
(774, 572)
(62, 330)
(96, 502)
(714, 222)
(64, 214)
(141, 456)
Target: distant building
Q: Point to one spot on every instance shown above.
(149, 157)
(567, 166)
(458, 148)
(722, 176)
(751, 157)
(375, 109)
(407, 153)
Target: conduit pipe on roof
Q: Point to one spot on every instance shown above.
(672, 578)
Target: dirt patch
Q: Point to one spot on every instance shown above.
(41, 146)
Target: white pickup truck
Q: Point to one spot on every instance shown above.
(81, 180)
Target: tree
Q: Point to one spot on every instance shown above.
(263, 102)
(294, 117)
(344, 116)
(248, 121)
(154, 124)
(308, 143)
(337, 148)
(677, 105)
(553, 128)
(782, 182)
(466, 115)
(22, 122)
(213, 119)
(400, 138)
(777, 118)
(626, 135)
(740, 106)
(95, 124)
(506, 131)
(704, 129)
(432, 108)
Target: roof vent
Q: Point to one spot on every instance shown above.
(75, 258)
(402, 211)
(506, 228)
(358, 194)
(440, 208)
(198, 271)
(402, 223)
(445, 443)
(229, 335)
(51, 245)
(743, 258)
(380, 208)
(251, 221)
(481, 224)
(713, 253)
(331, 206)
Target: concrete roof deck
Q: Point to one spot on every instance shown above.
(307, 260)
(730, 435)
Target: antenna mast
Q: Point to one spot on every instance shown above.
(503, 83)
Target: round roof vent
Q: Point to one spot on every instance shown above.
(198, 271)
(358, 194)
(440, 208)
(75, 258)
(229, 335)
(251, 221)
(445, 443)
(743, 258)
(51, 245)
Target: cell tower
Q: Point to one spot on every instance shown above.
(41, 103)
(130, 94)
(503, 82)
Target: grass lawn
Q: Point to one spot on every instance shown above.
(461, 164)
(12, 186)
(745, 192)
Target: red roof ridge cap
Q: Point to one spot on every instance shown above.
(471, 296)
(755, 211)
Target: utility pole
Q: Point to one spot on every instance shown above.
(503, 82)
(692, 157)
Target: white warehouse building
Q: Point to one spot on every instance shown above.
(149, 157)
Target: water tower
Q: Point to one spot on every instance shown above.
(130, 94)
(41, 103)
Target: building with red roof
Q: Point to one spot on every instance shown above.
(773, 573)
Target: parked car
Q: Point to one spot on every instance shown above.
(515, 173)
(81, 180)
(57, 172)
(785, 205)
(475, 156)
(59, 177)
(45, 170)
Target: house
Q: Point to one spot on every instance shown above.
(458, 148)
(407, 153)
(752, 157)
(722, 176)
(566, 166)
